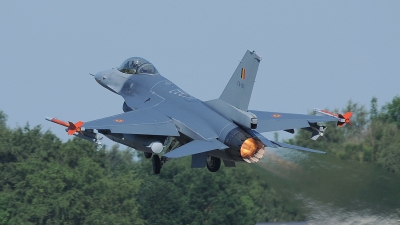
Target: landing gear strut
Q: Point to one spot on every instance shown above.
(156, 164)
(213, 163)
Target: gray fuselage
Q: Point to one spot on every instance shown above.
(191, 116)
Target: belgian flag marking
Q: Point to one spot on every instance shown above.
(243, 75)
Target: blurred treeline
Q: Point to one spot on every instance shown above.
(374, 135)
(46, 181)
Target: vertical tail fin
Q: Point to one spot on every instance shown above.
(238, 91)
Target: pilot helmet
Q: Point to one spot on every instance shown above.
(136, 63)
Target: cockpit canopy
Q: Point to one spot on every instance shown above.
(137, 65)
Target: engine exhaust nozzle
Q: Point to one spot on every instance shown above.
(252, 150)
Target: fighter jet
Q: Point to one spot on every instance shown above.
(160, 118)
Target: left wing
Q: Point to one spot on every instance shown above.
(146, 121)
(275, 121)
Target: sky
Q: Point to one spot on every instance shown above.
(315, 54)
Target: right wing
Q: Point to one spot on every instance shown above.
(146, 122)
(275, 121)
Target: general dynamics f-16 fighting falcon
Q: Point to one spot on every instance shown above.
(159, 117)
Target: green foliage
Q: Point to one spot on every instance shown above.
(370, 139)
(45, 181)
(180, 195)
(391, 112)
(3, 119)
(374, 108)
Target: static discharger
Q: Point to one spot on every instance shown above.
(252, 150)
(71, 127)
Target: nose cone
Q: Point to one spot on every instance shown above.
(102, 78)
(98, 77)
(105, 79)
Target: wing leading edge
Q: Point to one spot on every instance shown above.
(146, 122)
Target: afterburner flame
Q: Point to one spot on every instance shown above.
(252, 150)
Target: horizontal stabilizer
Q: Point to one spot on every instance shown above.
(275, 144)
(146, 122)
(284, 145)
(195, 147)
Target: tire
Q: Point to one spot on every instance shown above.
(213, 164)
(156, 164)
(148, 155)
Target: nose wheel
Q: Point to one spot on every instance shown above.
(213, 163)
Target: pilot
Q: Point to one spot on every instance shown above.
(135, 65)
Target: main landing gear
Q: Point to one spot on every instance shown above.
(158, 163)
(156, 160)
(213, 163)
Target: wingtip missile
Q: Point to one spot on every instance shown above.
(72, 128)
(57, 121)
(346, 117)
(77, 130)
(343, 118)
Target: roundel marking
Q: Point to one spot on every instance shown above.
(119, 120)
(276, 115)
